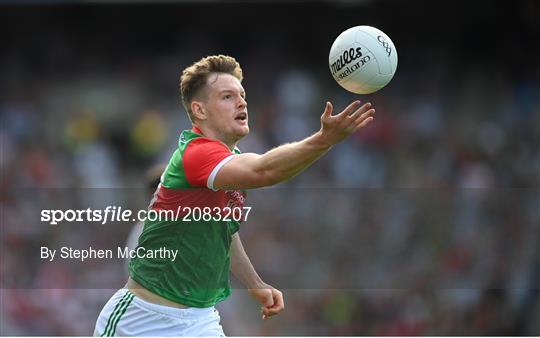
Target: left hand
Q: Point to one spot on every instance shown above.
(270, 298)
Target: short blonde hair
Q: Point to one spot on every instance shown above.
(194, 78)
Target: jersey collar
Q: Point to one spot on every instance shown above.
(195, 129)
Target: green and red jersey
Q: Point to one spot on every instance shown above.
(199, 277)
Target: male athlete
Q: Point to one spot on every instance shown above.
(164, 297)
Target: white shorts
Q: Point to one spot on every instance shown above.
(127, 315)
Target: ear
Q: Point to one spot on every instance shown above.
(197, 107)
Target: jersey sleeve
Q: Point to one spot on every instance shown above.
(202, 160)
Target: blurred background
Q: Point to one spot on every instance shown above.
(427, 222)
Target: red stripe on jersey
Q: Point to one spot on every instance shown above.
(172, 199)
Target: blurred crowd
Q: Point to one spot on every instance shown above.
(427, 222)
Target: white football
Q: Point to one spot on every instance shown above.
(363, 59)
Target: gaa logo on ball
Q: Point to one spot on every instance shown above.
(363, 59)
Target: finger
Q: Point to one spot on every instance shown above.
(276, 308)
(364, 108)
(328, 109)
(273, 312)
(353, 125)
(264, 313)
(269, 312)
(350, 108)
(268, 299)
(364, 116)
(363, 124)
(278, 301)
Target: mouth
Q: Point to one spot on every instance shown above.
(241, 117)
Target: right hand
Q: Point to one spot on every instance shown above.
(270, 298)
(336, 128)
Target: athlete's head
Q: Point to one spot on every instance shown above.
(214, 98)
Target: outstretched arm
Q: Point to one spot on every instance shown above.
(247, 171)
(241, 267)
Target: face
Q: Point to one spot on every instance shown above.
(225, 108)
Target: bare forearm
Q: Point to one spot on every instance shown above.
(241, 266)
(288, 160)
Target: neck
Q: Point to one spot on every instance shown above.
(215, 135)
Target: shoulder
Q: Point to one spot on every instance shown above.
(204, 146)
(202, 158)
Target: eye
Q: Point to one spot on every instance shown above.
(228, 96)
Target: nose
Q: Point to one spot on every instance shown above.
(242, 103)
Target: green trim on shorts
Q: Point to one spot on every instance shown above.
(116, 315)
